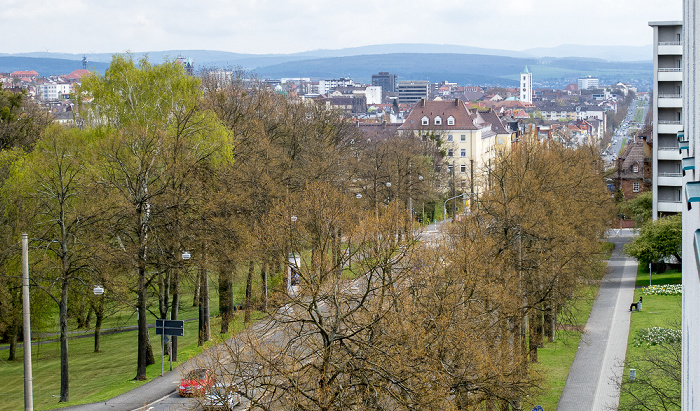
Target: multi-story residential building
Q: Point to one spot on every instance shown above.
(53, 91)
(526, 86)
(467, 138)
(385, 80)
(587, 83)
(690, 361)
(634, 168)
(413, 91)
(326, 86)
(667, 110)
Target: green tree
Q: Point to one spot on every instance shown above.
(639, 208)
(52, 184)
(156, 135)
(657, 240)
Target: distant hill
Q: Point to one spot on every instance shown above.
(610, 53)
(461, 68)
(460, 64)
(46, 66)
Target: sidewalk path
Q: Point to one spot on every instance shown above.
(593, 379)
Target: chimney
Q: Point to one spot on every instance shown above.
(422, 102)
(456, 102)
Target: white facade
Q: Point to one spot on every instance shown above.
(373, 94)
(326, 86)
(690, 377)
(667, 181)
(52, 91)
(526, 86)
(587, 83)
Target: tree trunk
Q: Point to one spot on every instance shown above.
(63, 326)
(225, 297)
(549, 322)
(174, 311)
(249, 291)
(142, 355)
(263, 279)
(195, 299)
(150, 358)
(13, 343)
(164, 294)
(99, 316)
(535, 334)
(204, 329)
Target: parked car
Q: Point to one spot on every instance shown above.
(221, 397)
(196, 382)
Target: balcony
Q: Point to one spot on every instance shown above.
(670, 74)
(669, 153)
(669, 206)
(670, 100)
(670, 179)
(670, 48)
(669, 126)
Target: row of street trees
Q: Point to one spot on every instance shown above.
(160, 163)
(240, 176)
(398, 323)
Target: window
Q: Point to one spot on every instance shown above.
(463, 152)
(463, 138)
(450, 138)
(463, 168)
(424, 121)
(438, 121)
(635, 187)
(449, 168)
(500, 140)
(450, 153)
(450, 121)
(635, 169)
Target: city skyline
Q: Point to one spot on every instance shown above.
(265, 27)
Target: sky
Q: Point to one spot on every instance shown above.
(289, 26)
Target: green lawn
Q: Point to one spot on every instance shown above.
(556, 357)
(657, 311)
(100, 376)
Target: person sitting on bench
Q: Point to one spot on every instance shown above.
(637, 306)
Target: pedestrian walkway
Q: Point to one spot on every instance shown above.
(593, 381)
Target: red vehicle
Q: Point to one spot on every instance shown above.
(196, 382)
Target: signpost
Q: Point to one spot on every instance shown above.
(166, 328)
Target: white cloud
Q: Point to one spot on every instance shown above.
(266, 26)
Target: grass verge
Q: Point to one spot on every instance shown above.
(657, 311)
(93, 376)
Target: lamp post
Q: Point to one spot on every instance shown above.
(291, 259)
(444, 206)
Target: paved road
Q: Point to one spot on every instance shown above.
(593, 379)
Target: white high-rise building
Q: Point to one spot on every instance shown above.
(690, 138)
(666, 106)
(526, 86)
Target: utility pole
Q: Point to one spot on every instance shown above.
(27, 345)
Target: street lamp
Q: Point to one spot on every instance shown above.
(444, 206)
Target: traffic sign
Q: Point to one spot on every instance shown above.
(170, 327)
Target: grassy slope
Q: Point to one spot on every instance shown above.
(100, 376)
(657, 311)
(556, 357)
